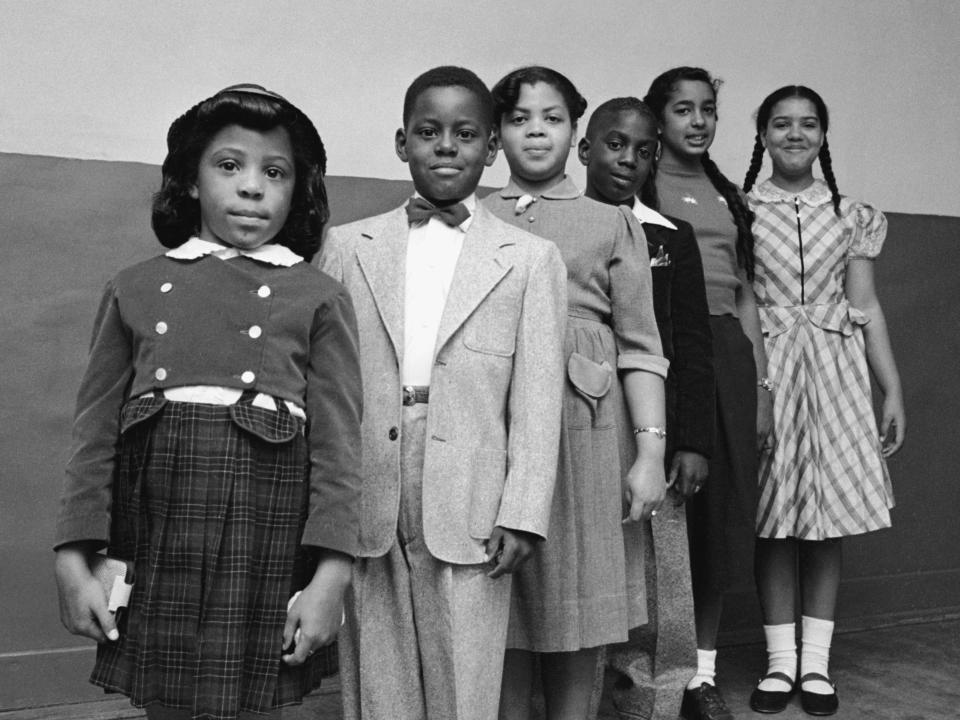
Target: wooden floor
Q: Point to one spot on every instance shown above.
(907, 672)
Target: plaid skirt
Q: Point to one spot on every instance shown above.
(210, 502)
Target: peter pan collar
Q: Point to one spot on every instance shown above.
(648, 215)
(271, 253)
(563, 190)
(816, 194)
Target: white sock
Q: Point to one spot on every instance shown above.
(706, 669)
(815, 653)
(781, 655)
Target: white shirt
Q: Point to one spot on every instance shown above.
(646, 214)
(433, 248)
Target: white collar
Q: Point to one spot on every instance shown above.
(815, 194)
(469, 202)
(648, 215)
(271, 253)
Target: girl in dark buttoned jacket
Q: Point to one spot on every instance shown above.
(215, 444)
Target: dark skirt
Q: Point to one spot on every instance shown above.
(720, 518)
(210, 502)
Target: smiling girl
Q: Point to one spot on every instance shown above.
(216, 437)
(825, 476)
(719, 518)
(570, 599)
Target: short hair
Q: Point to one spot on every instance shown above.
(176, 215)
(763, 118)
(449, 76)
(506, 93)
(657, 97)
(615, 106)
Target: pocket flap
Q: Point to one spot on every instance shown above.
(590, 378)
(140, 410)
(272, 426)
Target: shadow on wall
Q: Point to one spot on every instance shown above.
(69, 225)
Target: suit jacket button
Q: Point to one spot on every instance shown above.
(393, 434)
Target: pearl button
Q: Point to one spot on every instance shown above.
(166, 287)
(160, 374)
(161, 327)
(255, 331)
(247, 377)
(263, 291)
(531, 219)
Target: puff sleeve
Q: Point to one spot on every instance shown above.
(868, 232)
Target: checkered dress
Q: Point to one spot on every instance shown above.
(210, 501)
(825, 476)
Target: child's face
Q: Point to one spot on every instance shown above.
(245, 184)
(689, 120)
(793, 137)
(618, 155)
(447, 142)
(536, 136)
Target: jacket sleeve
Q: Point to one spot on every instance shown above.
(692, 347)
(86, 500)
(533, 440)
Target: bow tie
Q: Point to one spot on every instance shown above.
(419, 210)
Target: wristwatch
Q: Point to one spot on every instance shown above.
(765, 383)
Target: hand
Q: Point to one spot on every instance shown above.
(764, 420)
(646, 489)
(318, 611)
(688, 473)
(509, 549)
(893, 425)
(83, 603)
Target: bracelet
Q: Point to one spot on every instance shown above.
(658, 431)
(765, 383)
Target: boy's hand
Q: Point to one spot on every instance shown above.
(688, 473)
(318, 612)
(83, 604)
(509, 549)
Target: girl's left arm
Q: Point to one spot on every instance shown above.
(861, 293)
(646, 480)
(750, 322)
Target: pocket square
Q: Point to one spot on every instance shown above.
(661, 259)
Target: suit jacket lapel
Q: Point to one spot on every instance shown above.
(480, 267)
(384, 263)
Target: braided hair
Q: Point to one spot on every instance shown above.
(657, 97)
(763, 118)
(648, 191)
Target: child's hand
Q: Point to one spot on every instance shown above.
(318, 612)
(646, 489)
(509, 549)
(83, 604)
(688, 473)
(893, 425)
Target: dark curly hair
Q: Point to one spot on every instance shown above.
(657, 97)
(449, 76)
(176, 215)
(506, 92)
(615, 106)
(763, 118)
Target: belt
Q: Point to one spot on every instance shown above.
(413, 394)
(214, 395)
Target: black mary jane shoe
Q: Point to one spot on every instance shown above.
(772, 701)
(818, 703)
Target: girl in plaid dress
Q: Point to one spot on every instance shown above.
(216, 437)
(824, 476)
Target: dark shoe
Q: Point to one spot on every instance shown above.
(818, 703)
(771, 701)
(704, 703)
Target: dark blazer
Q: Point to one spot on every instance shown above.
(680, 306)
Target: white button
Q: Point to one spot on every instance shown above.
(161, 327)
(263, 291)
(248, 377)
(255, 331)
(531, 219)
(166, 287)
(160, 374)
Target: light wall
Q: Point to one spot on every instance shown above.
(101, 79)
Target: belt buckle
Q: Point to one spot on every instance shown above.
(409, 395)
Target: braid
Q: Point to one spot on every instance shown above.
(648, 191)
(755, 164)
(826, 164)
(742, 217)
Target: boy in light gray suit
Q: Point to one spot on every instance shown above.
(461, 321)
